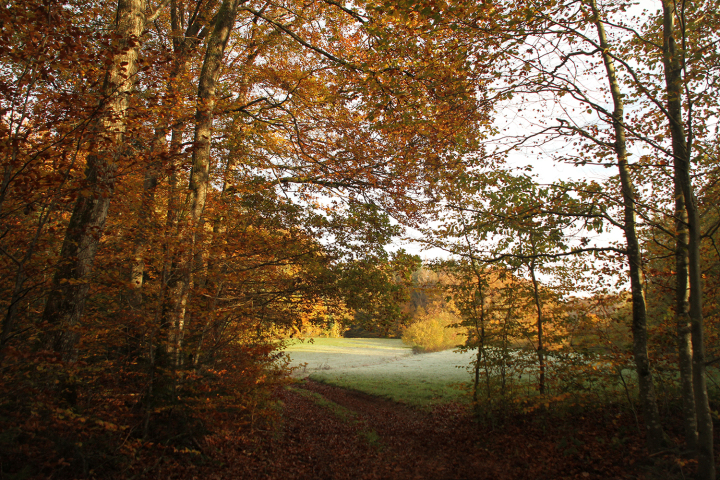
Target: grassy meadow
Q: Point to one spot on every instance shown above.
(383, 367)
(389, 368)
(320, 354)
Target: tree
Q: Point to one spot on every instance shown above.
(42, 130)
(66, 301)
(508, 223)
(200, 174)
(673, 61)
(377, 289)
(634, 256)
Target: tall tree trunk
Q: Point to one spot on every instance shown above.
(673, 61)
(648, 398)
(66, 300)
(184, 44)
(200, 175)
(214, 266)
(143, 226)
(479, 298)
(538, 307)
(682, 319)
(482, 352)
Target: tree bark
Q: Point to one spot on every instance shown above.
(479, 297)
(648, 398)
(673, 60)
(66, 300)
(682, 318)
(200, 175)
(538, 307)
(184, 44)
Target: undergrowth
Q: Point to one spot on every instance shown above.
(77, 420)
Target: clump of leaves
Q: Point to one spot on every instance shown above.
(433, 332)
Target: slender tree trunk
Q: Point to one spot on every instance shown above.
(538, 307)
(200, 175)
(682, 319)
(209, 282)
(184, 45)
(505, 349)
(479, 318)
(648, 398)
(482, 353)
(673, 60)
(66, 300)
(143, 228)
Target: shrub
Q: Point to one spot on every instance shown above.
(432, 332)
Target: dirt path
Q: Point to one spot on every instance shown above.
(328, 432)
(448, 444)
(411, 443)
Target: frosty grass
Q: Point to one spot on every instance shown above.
(383, 367)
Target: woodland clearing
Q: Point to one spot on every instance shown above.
(384, 367)
(316, 354)
(387, 368)
(371, 409)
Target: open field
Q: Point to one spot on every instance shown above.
(320, 354)
(384, 367)
(388, 368)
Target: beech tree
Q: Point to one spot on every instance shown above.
(634, 256)
(676, 91)
(66, 302)
(499, 222)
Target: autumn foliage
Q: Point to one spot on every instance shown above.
(183, 185)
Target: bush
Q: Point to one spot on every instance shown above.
(433, 332)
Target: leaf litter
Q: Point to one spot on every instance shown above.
(327, 432)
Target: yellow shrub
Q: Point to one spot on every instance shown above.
(430, 333)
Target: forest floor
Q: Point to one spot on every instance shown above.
(327, 432)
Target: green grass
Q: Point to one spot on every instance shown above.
(323, 354)
(400, 388)
(388, 368)
(384, 367)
